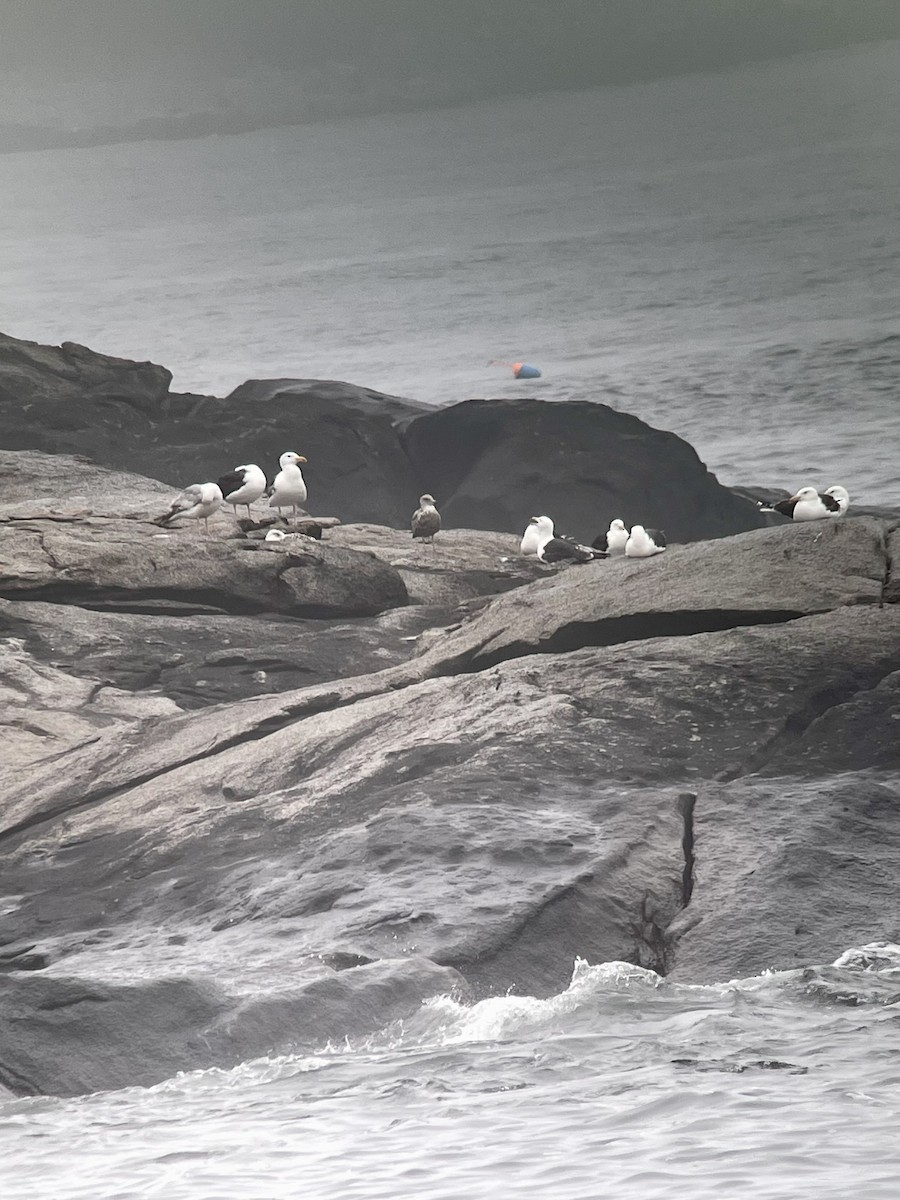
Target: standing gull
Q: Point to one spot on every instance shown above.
(644, 543)
(288, 488)
(426, 520)
(551, 549)
(199, 502)
(243, 485)
(613, 541)
(809, 505)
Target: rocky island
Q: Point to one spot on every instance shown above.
(257, 796)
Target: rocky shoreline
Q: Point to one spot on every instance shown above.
(258, 796)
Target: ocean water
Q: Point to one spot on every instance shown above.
(716, 253)
(782, 1087)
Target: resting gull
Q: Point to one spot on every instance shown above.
(551, 549)
(426, 520)
(288, 488)
(243, 485)
(613, 541)
(644, 543)
(809, 505)
(199, 502)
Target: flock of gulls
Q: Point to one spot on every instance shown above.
(247, 484)
(243, 486)
(541, 541)
(809, 505)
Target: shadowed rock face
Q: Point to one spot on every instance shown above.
(109, 1035)
(493, 464)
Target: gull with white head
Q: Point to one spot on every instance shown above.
(288, 488)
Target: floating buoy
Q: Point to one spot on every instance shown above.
(520, 370)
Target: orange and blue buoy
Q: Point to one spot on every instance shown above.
(526, 371)
(521, 370)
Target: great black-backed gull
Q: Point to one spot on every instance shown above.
(644, 543)
(243, 485)
(426, 520)
(288, 488)
(613, 541)
(199, 502)
(531, 539)
(809, 505)
(552, 549)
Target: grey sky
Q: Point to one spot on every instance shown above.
(384, 49)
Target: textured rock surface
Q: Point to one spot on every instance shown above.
(207, 658)
(786, 870)
(462, 564)
(760, 577)
(227, 830)
(60, 544)
(135, 566)
(500, 823)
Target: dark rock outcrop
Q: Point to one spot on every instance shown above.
(491, 463)
(58, 380)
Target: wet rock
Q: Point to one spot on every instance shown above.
(789, 872)
(65, 1036)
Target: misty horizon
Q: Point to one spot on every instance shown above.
(180, 69)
